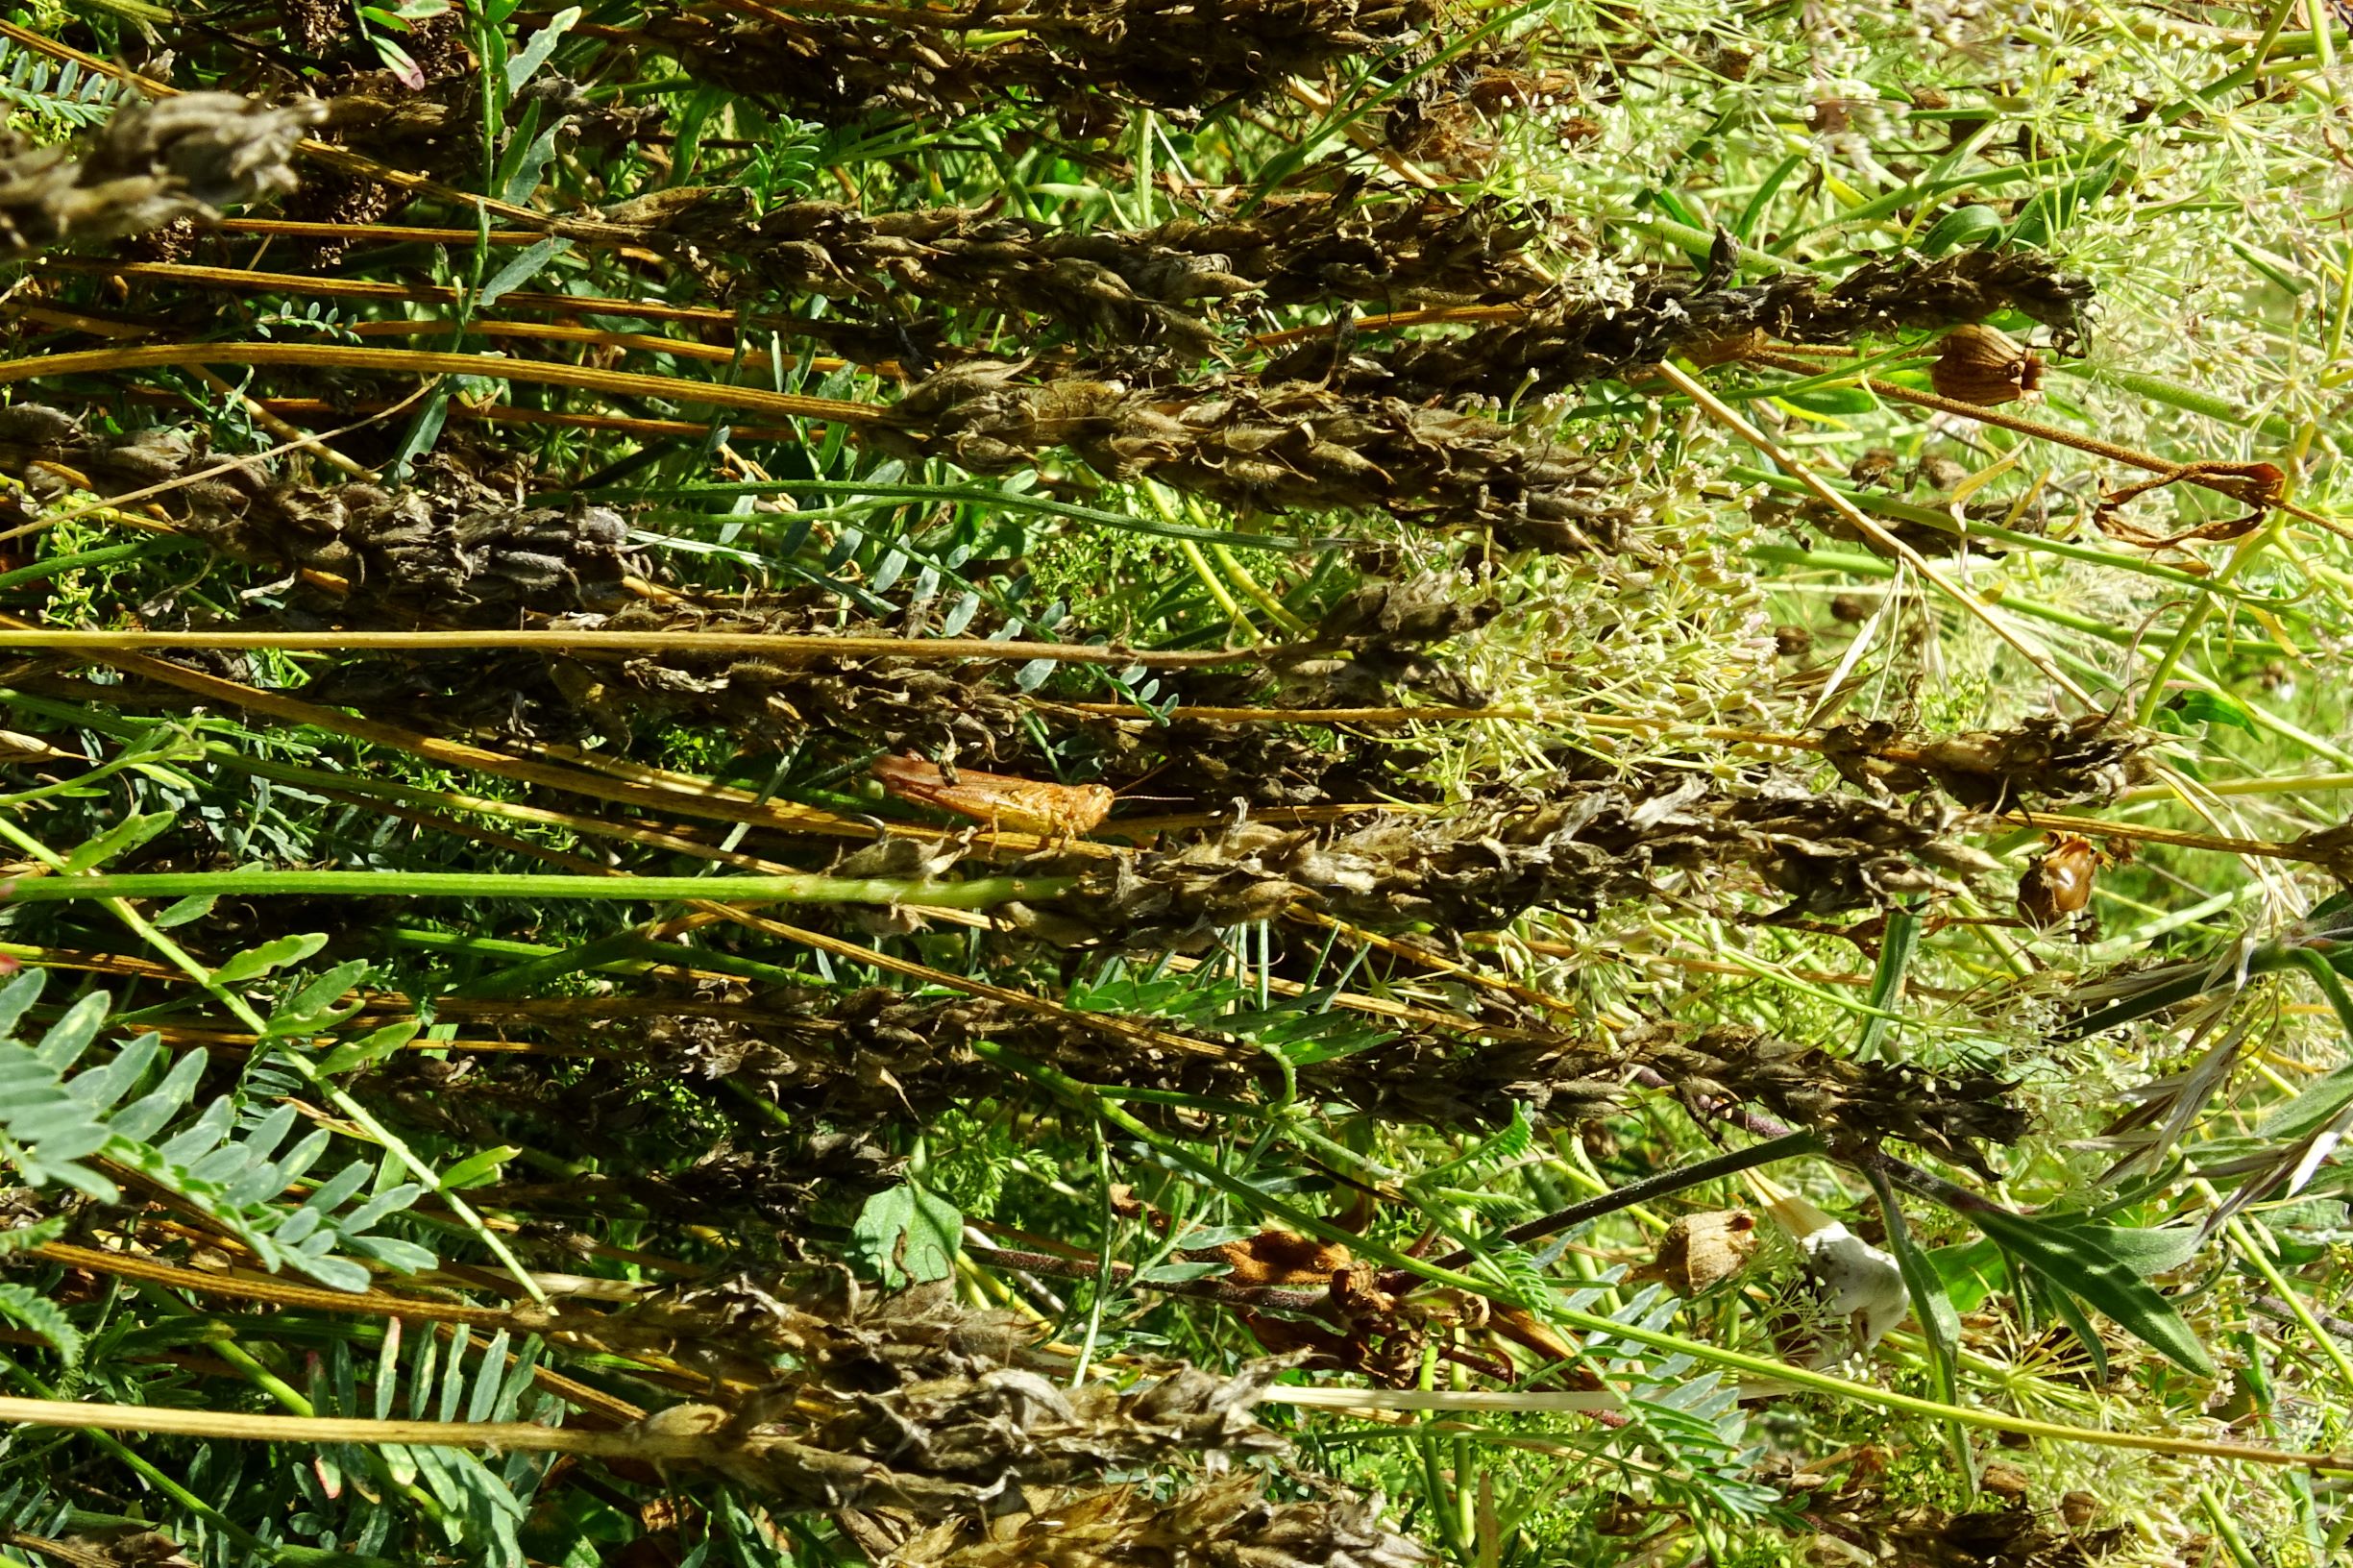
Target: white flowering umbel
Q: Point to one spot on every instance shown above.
(153, 162)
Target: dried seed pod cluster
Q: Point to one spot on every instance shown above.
(150, 164)
(1081, 60)
(1373, 646)
(1161, 286)
(927, 707)
(1217, 1523)
(1586, 845)
(1870, 1524)
(1125, 288)
(1952, 1115)
(1267, 449)
(2091, 757)
(877, 1054)
(451, 547)
(864, 1058)
(1556, 345)
(911, 1401)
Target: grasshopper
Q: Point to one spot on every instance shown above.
(1023, 805)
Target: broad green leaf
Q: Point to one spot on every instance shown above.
(2212, 708)
(1967, 226)
(319, 1004)
(1832, 400)
(2077, 1260)
(400, 1257)
(2146, 1252)
(522, 270)
(2070, 1314)
(908, 1234)
(541, 43)
(1940, 1325)
(195, 907)
(2313, 1108)
(531, 166)
(1179, 1273)
(19, 995)
(1896, 948)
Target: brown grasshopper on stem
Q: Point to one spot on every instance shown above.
(1021, 806)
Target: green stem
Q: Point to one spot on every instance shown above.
(2194, 622)
(2245, 1239)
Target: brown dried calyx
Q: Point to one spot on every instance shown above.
(148, 165)
(1701, 1250)
(451, 544)
(1267, 448)
(1986, 366)
(1555, 347)
(1591, 843)
(1225, 1522)
(2090, 757)
(913, 1402)
(1086, 61)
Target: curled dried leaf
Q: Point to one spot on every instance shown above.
(2260, 486)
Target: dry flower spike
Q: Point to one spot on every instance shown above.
(150, 164)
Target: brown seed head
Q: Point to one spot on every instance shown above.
(1986, 367)
(1698, 1250)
